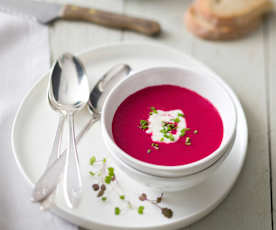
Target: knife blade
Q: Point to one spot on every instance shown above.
(45, 12)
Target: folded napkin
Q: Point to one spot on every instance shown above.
(24, 57)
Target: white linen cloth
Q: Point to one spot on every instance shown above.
(24, 57)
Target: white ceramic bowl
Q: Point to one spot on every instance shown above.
(170, 184)
(202, 83)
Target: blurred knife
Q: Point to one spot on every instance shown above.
(45, 12)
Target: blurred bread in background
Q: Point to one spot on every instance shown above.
(225, 19)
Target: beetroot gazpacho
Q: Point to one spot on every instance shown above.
(167, 125)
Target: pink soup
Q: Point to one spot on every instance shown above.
(194, 131)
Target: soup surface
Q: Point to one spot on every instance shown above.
(167, 125)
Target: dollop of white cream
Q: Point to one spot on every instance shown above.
(156, 121)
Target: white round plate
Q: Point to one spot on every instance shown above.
(35, 126)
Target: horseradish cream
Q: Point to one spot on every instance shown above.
(166, 126)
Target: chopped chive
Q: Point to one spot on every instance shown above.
(162, 131)
(180, 114)
(143, 124)
(149, 151)
(171, 137)
(177, 120)
(104, 160)
(183, 131)
(155, 145)
(122, 197)
(188, 141)
(153, 109)
(104, 198)
(162, 139)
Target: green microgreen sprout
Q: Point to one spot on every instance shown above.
(167, 212)
(180, 115)
(92, 160)
(117, 211)
(106, 176)
(149, 151)
(91, 173)
(108, 179)
(141, 210)
(162, 139)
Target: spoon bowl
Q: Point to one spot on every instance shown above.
(69, 84)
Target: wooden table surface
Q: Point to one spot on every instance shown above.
(247, 65)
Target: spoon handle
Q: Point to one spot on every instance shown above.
(50, 178)
(72, 176)
(55, 153)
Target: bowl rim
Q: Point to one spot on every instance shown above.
(214, 155)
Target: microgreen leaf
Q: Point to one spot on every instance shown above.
(110, 171)
(117, 211)
(104, 198)
(92, 160)
(122, 197)
(108, 179)
(91, 173)
(141, 210)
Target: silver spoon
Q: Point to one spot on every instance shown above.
(50, 178)
(70, 91)
(55, 152)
